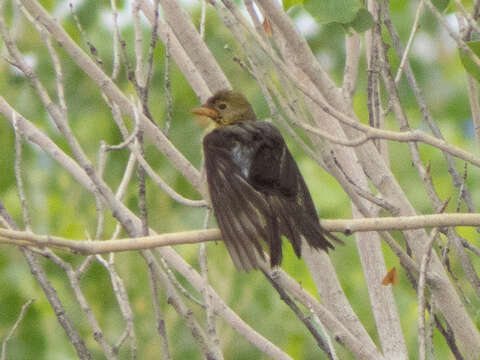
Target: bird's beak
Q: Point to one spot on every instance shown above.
(204, 111)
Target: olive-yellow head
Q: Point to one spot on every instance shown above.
(226, 107)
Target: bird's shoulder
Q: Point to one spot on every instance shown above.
(247, 133)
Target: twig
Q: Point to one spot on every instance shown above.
(60, 312)
(415, 26)
(307, 321)
(121, 295)
(168, 89)
(460, 42)
(404, 136)
(49, 290)
(476, 14)
(161, 329)
(138, 47)
(328, 338)
(452, 170)
(221, 308)
(472, 23)
(151, 51)
(84, 305)
(474, 104)
(342, 334)
(202, 19)
(158, 180)
(142, 191)
(18, 174)
(101, 162)
(366, 194)
(14, 327)
(470, 247)
(179, 286)
(203, 260)
(47, 40)
(116, 41)
(112, 91)
(128, 140)
(421, 294)
(91, 47)
(182, 310)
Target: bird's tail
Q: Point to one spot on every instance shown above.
(295, 223)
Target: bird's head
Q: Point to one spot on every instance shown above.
(225, 108)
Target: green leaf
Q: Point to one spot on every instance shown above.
(287, 4)
(468, 64)
(440, 4)
(362, 22)
(328, 11)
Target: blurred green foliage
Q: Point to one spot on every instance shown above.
(60, 206)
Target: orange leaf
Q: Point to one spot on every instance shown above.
(267, 27)
(390, 278)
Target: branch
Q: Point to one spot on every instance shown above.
(371, 133)
(14, 327)
(346, 226)
(113, 92)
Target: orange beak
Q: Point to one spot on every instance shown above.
(204, 111)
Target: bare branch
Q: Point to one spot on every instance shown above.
(14, 328)
(347, 227)
(421, 295)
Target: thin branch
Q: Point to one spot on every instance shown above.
(91, 47)
(123, 301)
(14, 328)
(460, 42)
(168, 89)
(182, 310)
(421, 294)
(60, 312)
(112, 91)
(98, 334)
(452, 170)
(415, 26)
(307, 321)
(474, 104)
(116, 41)
(18, 174)
(151, 51)
(159, 316)
(187, 294)
(371, 133)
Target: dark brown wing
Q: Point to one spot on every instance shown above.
(238, 207)
(275, 173)
(257, 192)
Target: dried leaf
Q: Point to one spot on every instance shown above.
(267, 27)
(390, 278)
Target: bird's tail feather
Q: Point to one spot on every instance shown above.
(295, 223)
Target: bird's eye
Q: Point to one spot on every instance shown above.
(222, 106)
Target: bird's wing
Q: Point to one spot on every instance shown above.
(257, 192)
(239, 208)
(274, 172)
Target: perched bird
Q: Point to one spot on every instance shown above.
(256, 189)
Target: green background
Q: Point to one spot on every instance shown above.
(59, 206)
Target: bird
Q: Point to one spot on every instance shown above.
(256, 189)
